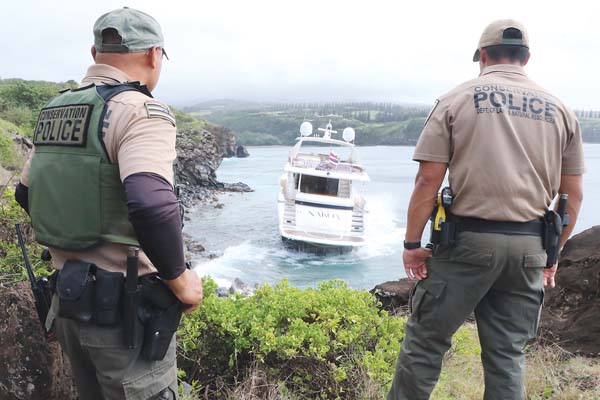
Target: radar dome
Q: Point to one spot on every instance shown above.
(348, 134)
(306, 129)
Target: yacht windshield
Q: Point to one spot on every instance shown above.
(319, 185)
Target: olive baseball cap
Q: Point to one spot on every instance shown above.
(493, 35)
(138, 30)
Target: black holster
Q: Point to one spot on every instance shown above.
(446, 237)
(553, 227)
(160, 312)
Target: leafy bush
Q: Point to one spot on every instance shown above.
(328, 342)
(11, 261)
(10, 158)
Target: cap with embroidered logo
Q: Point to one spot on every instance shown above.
(138, 31)
(494, 35)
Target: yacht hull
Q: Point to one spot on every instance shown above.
(315, 248)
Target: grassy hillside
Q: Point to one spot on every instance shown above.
(21, 100)
(278, 124)
(375, 123)
(10, 158)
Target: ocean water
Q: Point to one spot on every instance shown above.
(243, 234)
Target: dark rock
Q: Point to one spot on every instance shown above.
(242, 152)
(393, 295)
(199, 155)
(570, 314)
(30, 368)
(191, 245)
(239, 287)
(24, 142)
(236, 187)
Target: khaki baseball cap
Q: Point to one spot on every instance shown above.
(138, 30)
(493, 35)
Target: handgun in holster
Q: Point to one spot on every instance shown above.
(554, 221)
(160, 311)
(443, 230)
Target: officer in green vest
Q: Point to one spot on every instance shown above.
(509, 147)
(99, 183)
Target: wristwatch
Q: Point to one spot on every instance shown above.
(412, 245)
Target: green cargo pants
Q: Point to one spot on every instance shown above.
(500, 278)
(104, 369)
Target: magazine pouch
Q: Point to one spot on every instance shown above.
(75, 289)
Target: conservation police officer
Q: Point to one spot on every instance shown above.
(509, 146)
(99, 182)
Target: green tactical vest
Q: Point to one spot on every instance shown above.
(76, 197)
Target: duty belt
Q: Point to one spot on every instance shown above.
(531, 228)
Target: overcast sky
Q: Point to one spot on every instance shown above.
(409, 51)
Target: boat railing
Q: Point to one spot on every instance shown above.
(345, 167)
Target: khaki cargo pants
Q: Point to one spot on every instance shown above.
(500, 278)
(104, 369)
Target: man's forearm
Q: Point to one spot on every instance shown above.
(154, 214)
(573, 186)
(423, 198)
(420, 207)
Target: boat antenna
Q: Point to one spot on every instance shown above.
(327, 131)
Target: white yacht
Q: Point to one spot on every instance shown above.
(320, 208)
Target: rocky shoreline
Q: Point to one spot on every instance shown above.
(199, 155)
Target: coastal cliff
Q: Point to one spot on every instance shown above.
(200, 152)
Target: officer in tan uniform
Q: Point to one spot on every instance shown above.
(100, 181)
(510, 146)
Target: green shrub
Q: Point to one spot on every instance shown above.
(11, 261)
(328, 342)
(10, 158)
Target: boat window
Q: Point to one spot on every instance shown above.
(296, 180)
(319, 185)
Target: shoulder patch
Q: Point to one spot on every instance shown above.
(158, 110)
(432, 110)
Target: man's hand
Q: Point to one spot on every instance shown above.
(549, 276)
(188, 289)
(415, 263)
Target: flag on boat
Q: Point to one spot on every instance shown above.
(334, 159)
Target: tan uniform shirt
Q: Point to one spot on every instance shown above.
(506, 141)
(135, 141)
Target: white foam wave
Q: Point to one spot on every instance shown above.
(383, 233)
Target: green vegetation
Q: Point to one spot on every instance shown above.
(333, 342)
(10, 158)
(187, 122)
(328, 342)
(278, 124)
(11, 261)
(21, 101)
(258, 124)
